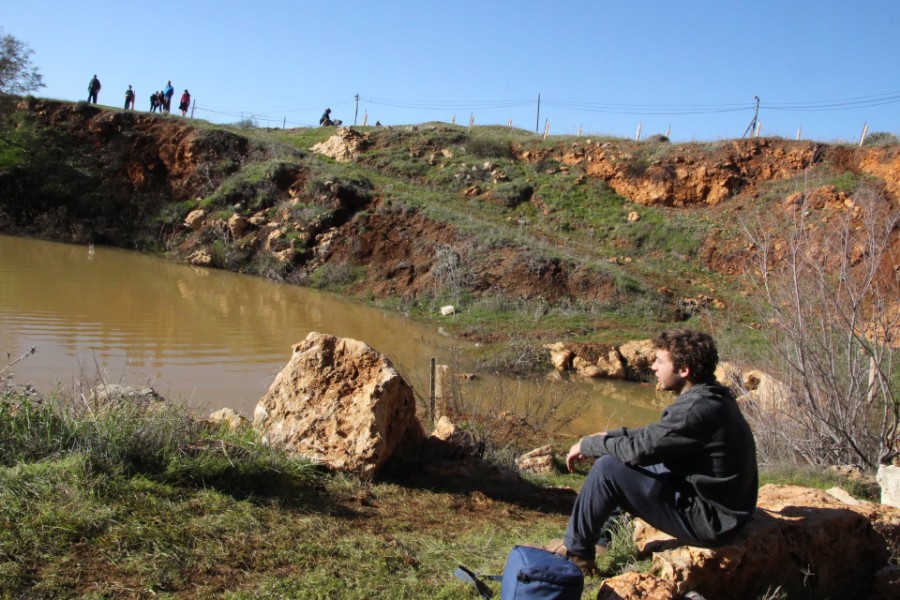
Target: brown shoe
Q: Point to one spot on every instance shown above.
(587, 565)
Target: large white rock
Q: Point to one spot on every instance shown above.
(888, 477)
(339, 402)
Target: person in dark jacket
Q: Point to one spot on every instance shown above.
(692, 474)
(93, 89)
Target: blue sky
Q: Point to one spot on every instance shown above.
(828, 67)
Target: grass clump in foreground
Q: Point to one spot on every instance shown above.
(132, 499)
(127, 498)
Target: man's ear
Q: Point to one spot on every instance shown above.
(684, 372)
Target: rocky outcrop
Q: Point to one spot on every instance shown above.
(629, 361)
(805, 541)
(344, 146)
(340, 402)
(673, 175)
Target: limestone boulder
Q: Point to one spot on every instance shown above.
(888, 478)
(768, 393)
(237, 225)
(638, 356)
(804, 540)
(343, 146)
(560, 355)
(538, 461)
(637, 585)
(339, 402)
(195, 219)
(230, 418)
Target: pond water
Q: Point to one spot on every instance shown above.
(216, 339)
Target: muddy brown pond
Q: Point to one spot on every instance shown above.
(215, 339)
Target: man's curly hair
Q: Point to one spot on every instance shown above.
(692, 349)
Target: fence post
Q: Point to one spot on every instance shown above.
(668, 131)
(579, 130)
(453, 120)
(546, 128)
(862, 138)
(637, 136)
(471, 121)
(433, 383)
(758, 127)
(365, 118)
(799, 131)
(193, 106)
(509, 124)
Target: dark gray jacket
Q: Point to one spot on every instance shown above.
(704, 440)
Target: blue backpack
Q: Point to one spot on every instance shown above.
(531, 574)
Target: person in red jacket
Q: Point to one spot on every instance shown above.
(185, 103)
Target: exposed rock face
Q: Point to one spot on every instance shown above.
(340, 402)
(804, 540)
(344, 146)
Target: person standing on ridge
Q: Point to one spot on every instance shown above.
(692, 474)
(129, 98)
(185, 103)
(168, 92)
(93, 89)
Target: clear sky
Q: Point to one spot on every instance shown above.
(826, 66)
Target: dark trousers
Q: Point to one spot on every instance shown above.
(651, 493)
(92, 97)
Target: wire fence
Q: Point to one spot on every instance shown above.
(283, 117)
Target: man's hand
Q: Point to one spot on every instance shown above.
(573, 456)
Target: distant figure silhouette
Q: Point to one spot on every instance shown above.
(185, 103)
(168, 92)
(129, 98)
(326, 121)
(93, 90)
(154, 101)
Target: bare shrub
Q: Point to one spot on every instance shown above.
(827, 288)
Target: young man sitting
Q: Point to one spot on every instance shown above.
(692, 474)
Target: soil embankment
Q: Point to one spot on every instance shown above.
(430, 213)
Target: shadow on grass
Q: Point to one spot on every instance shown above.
(427, 469)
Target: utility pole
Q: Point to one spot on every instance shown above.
(752, 126)
(356, 112)
(537, 123)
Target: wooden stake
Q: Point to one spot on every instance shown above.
(471, 121)
(433, 383)
(579, 130)
(758, 127)
(453, 120)
(862, 138)
(546, 128)
(668, 131)
(365, 118)
(799, 131)
(637, 136)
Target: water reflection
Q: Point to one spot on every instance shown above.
(211, 337)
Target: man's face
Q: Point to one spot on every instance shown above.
(667, 375)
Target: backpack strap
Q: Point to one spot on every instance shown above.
(474, 578)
